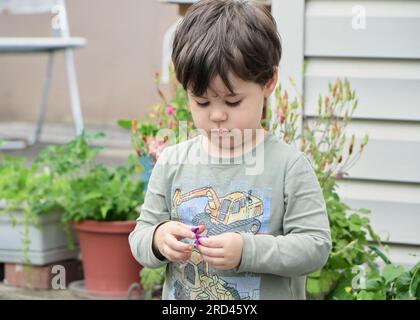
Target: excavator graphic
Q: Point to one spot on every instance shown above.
(238, 211)
(235, 212)
(196, 283)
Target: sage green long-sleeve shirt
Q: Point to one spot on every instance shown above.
(271, 196)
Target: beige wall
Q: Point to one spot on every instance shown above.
(115, 71)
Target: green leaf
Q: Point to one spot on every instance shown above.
(391, 272)
(125, 124)
(342, 290)
(92, 195)
(415, 282)
(182, 114)
(374, 284)
(363, 211)
(152, 277)
(315, 274)
(365, 295)
(318, 288)
(104, 211)
(402, 286)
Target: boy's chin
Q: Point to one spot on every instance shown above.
(234, 139)
(226, 143)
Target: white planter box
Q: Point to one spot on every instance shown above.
(48, 241)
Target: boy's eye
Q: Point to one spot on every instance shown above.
(203, 104)
(234, 104)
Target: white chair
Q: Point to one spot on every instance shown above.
(59, 41)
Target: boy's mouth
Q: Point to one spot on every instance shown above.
(219, 131)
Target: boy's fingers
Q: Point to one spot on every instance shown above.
(176, 255)
(217, 262)
(183, 231)
(174, 244)
(211, 252)
(212, 242)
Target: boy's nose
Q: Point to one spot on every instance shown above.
(218, 115)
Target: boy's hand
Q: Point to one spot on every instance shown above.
(223, 251)
(167, 240)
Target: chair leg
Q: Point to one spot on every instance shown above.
(73, 91)
(44, 99)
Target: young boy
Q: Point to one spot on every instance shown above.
(222, 231)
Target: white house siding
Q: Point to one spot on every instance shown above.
(382, 63)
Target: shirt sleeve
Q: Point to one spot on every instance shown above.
(306, 243)
(153, 212)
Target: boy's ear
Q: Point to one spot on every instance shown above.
(272, 83)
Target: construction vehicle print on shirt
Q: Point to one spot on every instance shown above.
(237, 211)
(195, 282)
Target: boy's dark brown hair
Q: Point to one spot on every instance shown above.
(218, 36)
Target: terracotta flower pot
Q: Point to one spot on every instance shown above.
(109, 267)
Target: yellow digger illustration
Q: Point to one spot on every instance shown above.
(235, 212)
(194, 282)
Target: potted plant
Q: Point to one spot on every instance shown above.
(31, 229)
(102, 204)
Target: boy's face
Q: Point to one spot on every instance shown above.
(224, 116)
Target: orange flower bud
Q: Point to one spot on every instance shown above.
(133, 125)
